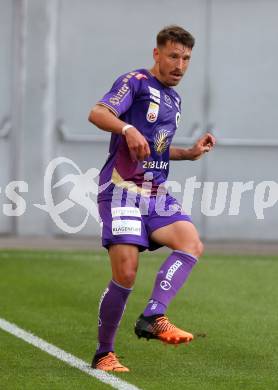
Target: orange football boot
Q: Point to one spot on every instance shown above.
(159, 327)
(109, 362)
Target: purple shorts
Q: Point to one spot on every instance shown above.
(133, 222)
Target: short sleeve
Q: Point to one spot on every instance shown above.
(121, 95)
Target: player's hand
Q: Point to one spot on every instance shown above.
(202, 146)
(137, 144)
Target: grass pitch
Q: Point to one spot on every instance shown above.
(55, 295)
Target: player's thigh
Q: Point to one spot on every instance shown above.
(180, 235)
(124, 263)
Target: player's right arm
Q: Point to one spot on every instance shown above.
(105, 115)
(104, 119)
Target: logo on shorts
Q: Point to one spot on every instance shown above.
(165, 285)
(125, 212)
(126, 226)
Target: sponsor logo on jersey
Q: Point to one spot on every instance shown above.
(155, 164)
(120, 95)
(168, 101)
(125, 212)
(161, 141)
(173, 269)
(126, 226)
(152, 113)
(178, 117)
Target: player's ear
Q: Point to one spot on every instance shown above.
(156, 54)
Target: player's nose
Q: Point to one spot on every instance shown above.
(179, 64)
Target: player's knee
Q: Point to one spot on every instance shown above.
(125, 278)
(199, 248)
(194, 248)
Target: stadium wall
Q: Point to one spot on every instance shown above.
(58, 57)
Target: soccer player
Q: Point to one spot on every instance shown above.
(142, 112)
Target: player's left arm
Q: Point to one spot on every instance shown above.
(204, 145)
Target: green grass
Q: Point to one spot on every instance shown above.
(55, 295)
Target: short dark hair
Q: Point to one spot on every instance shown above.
(177, 34)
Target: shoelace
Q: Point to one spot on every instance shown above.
(162, 325)
(110, 359)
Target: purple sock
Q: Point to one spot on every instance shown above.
(111, 307)
(170, 278)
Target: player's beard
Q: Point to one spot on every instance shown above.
(167, 78)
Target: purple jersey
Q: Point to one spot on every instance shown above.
(139, 99)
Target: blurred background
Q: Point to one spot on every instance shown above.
(59, 57)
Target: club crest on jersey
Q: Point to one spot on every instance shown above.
(152, 113)
(161, 141)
